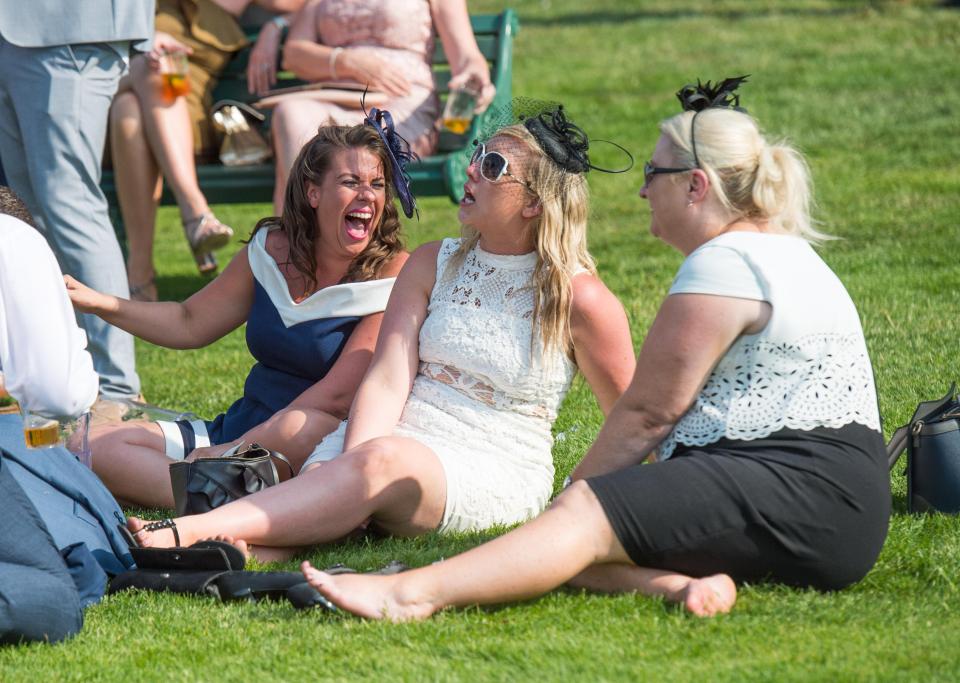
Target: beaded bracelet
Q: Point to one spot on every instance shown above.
(334, 53)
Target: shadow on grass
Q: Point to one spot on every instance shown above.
(608, 17)
(179, 287)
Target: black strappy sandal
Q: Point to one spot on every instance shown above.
(206, 555)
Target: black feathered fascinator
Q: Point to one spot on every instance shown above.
(703, 96)
(400, 155)
(560, 139)
(706, 95)
(565, 143)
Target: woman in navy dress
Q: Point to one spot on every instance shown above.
(311, 286)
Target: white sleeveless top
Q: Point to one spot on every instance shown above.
(807, 368)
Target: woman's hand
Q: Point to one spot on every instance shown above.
(476, 76)
(88, 300)
(164, 43)
(262, 66)
(365, 67)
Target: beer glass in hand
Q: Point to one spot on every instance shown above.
(173, 75)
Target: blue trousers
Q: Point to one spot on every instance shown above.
(38, 598)
(54, 104)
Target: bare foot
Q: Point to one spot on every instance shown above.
(708, 596)
(239, 543)
(161, 538)
(370, 597)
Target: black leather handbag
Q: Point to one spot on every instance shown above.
(932, 442)
(207, 483)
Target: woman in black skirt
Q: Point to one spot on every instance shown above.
(753, 396)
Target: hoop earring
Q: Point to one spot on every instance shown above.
(689, 203)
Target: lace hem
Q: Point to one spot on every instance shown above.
(760, 387)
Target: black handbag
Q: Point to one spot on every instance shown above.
(932, 442)
(207, 483)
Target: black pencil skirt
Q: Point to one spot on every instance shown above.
(803, 508)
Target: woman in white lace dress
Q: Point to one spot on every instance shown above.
(753, 388)
(482, 336)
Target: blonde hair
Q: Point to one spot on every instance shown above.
(751, 177)
(560, 239)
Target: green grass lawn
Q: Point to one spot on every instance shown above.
(869, 91)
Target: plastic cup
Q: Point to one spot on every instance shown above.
(174, 75)
(458, 112)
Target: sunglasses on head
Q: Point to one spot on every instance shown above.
(492, 165)
(649, 170)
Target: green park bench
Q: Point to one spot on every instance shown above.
(441, 174)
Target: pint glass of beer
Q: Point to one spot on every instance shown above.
(41, 431)
(173, 75)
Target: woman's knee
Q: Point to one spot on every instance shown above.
(376, 460)
(579, 499)
(122, 435)
(125, 114)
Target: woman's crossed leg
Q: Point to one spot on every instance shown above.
(395, 483)
(570, 542)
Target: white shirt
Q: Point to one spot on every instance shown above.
(42, 350)
(807, 368)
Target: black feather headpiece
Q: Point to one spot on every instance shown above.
(706, 95)
(702, 96)
(560, 139)
(566, 143)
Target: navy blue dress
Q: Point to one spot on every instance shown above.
(294, 344)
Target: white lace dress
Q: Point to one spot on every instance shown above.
(485, 398)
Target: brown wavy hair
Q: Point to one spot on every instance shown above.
(299, 219)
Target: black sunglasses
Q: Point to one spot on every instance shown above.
(649, 170)
(492, 165)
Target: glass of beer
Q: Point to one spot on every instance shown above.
(41, 431)
(173, 75)
(458, 112)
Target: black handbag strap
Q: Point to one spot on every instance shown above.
(274, 454)
(899, 441)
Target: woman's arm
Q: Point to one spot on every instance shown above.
(386, 386)
(688, 337)
(601, 339)
(466, 61)
(206, 316)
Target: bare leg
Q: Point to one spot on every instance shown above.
(539, 556)
(168, 128)
(138, 189)
(396, 482)
(295, 432)
(129, 458)
(293, 123)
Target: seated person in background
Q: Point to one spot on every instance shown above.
(154, 136)
(311, 287)
(43, 354)
(754, 388)
(450, 429)
(386, 45)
